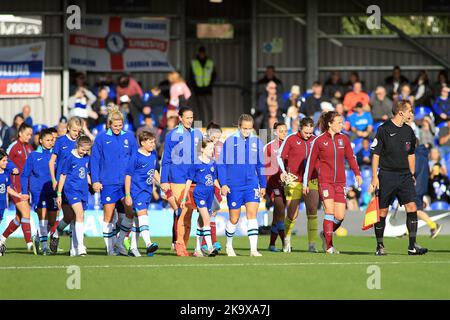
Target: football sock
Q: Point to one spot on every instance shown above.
(144, 229)
(328, 225)
(207, 235)
(174, 226)
(13, 226)
(230, 229)
(125, 227)
(273, 234)
(313, 227)
(336, 224)
(289, 226)
(135, 232)
(43, 233)
(213, 229)
(252, 231)
(411, 224)
(108, 234)
(26, 228)
(198, 238)
(431, 224)
(281, 231)
(74, 240)
(379, 230)
(79, 232)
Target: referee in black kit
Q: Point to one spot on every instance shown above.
(393, 150)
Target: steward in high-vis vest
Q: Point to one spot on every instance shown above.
(202, 78)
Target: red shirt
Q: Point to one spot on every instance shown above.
(294, 153)
(133, 89)
(272, 169)
(18, 153)
(330, 154)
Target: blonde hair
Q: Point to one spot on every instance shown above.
(114, 115)
(174, 77)
(74, 121)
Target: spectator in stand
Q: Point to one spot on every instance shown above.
(339, 108)
(292, 119)
(269, 75)
(272, 116)
(361, 122)
(426, 132)
(147, 111)
(421, 90)
(355, 96)
(172, 122)
(334, 87)
(381, 105)
(405, 94)
(439, 185)
(100, 107)
(179, 91)
(11, 132)
(441, 106)
(444, 139)
(312, 103)
(157, 104)
(108, 83)
(26, 111)
(80, 104)
(148, 126)
(354, 77)
(62, 126)
(435, 158)
(127, 86)
(394, 82)
(3, 129)
(294, 98)
(442, 81)
(268, 97)
(79, 81)
(364, 156)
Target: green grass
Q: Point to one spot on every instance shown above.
(299, 275)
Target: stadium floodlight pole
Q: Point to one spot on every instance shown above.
(65, 72)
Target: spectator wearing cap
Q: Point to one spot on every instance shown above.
(26, 114)
(381, 105)
(355, 96)
(444, 139)
(312, 103)
(361, 122)
(394, 82)
(441, 106)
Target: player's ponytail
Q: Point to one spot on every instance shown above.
(325, 119)
(114, 115)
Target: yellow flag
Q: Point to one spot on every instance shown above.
(372, 215)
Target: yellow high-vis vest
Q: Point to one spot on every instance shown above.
(202, 74)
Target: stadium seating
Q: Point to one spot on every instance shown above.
(440, 205)
(377, 125)
(421, 112)
(357, 145)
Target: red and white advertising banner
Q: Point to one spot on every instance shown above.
(22, 71)
(120, 44)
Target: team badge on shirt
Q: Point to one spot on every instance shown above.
(325, 193)
(340, 143)
(212, 169)
(126, 141)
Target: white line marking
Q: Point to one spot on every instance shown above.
(221, 265)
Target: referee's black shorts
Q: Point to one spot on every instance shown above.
(395, 184)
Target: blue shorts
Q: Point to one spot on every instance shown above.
(203, 197)
(44, 200)
(141, 201)
(112, 193)
(240, 196)
(76, 197)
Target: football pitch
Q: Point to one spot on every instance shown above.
(354, 274)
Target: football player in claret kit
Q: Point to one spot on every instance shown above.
(204, 174)
(5, 188)
(36, 179)
(75, 176)
(139, 179)
(330, 149)
(275, 189)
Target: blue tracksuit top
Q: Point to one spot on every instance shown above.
(180, 151)
(63, 147)
(36, 173)
(110, 156)
(241, 162)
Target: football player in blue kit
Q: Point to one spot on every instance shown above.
(139, 176)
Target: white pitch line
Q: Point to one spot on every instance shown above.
(216, 265)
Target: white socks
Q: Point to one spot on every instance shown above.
(43, 233)
(134, 235)
(207, 234)
(74, 240)
(230, 229)
(144, 229)
(252, 231)
(79, 232)
(108, 236)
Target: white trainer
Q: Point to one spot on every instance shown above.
(81, 251)
(134, 253)
(230, 252)
(255, 254)
(332, 250)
